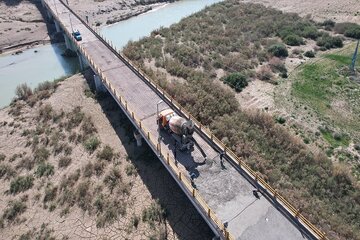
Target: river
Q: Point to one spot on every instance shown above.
(42, 63)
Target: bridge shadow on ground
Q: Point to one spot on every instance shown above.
(183, 218)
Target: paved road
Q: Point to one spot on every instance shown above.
(224, 189)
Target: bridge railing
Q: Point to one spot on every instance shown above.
(254, 176)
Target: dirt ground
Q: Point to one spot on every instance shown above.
(148, 180)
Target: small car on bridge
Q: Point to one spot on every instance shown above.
(77, 35)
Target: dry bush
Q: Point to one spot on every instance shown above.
(6, 171)
(107, 153)
(113, 179)
(88, 170)
(277, 65)
(13, 210)
(265, 73)
(64, 162)
(23, 91)
(46, 113)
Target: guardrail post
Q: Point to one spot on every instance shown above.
(226, 234)
(126, 105)
(212, 137)
(209, 212)
(140, 125)
(167, 158)
(180, 175)
(148, 135)
(193, 192)
(132, 115)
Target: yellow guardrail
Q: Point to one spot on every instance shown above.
(170, 161)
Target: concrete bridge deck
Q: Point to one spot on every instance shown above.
(226, 191)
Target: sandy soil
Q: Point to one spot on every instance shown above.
(150, 182)
(339, 11)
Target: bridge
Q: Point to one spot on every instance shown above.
(234, 201)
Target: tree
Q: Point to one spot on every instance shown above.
(237, 81)
(278, 50)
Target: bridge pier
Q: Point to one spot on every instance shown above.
(57, 26)
(99, 86)
(68, 42)
(138, 138)
(82, 61)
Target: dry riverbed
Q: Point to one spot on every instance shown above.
(76, 188)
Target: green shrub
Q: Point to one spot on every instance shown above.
(348, 29)
(14, 209)
(310, 32)
(21, 184)
(236, 80)
(44, 169)
(328, 24)
(91, 144)
(329, 42)
(107, 153)
(280, 120)
(309, 54)
(23, 91)
(353, 32)
(154, 213)
(278, 50)
(293, 40)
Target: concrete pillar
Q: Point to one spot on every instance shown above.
(81, 62)
(99, 86)
(50, 17)
(68, 43)
(57, 26)
(138, 138)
